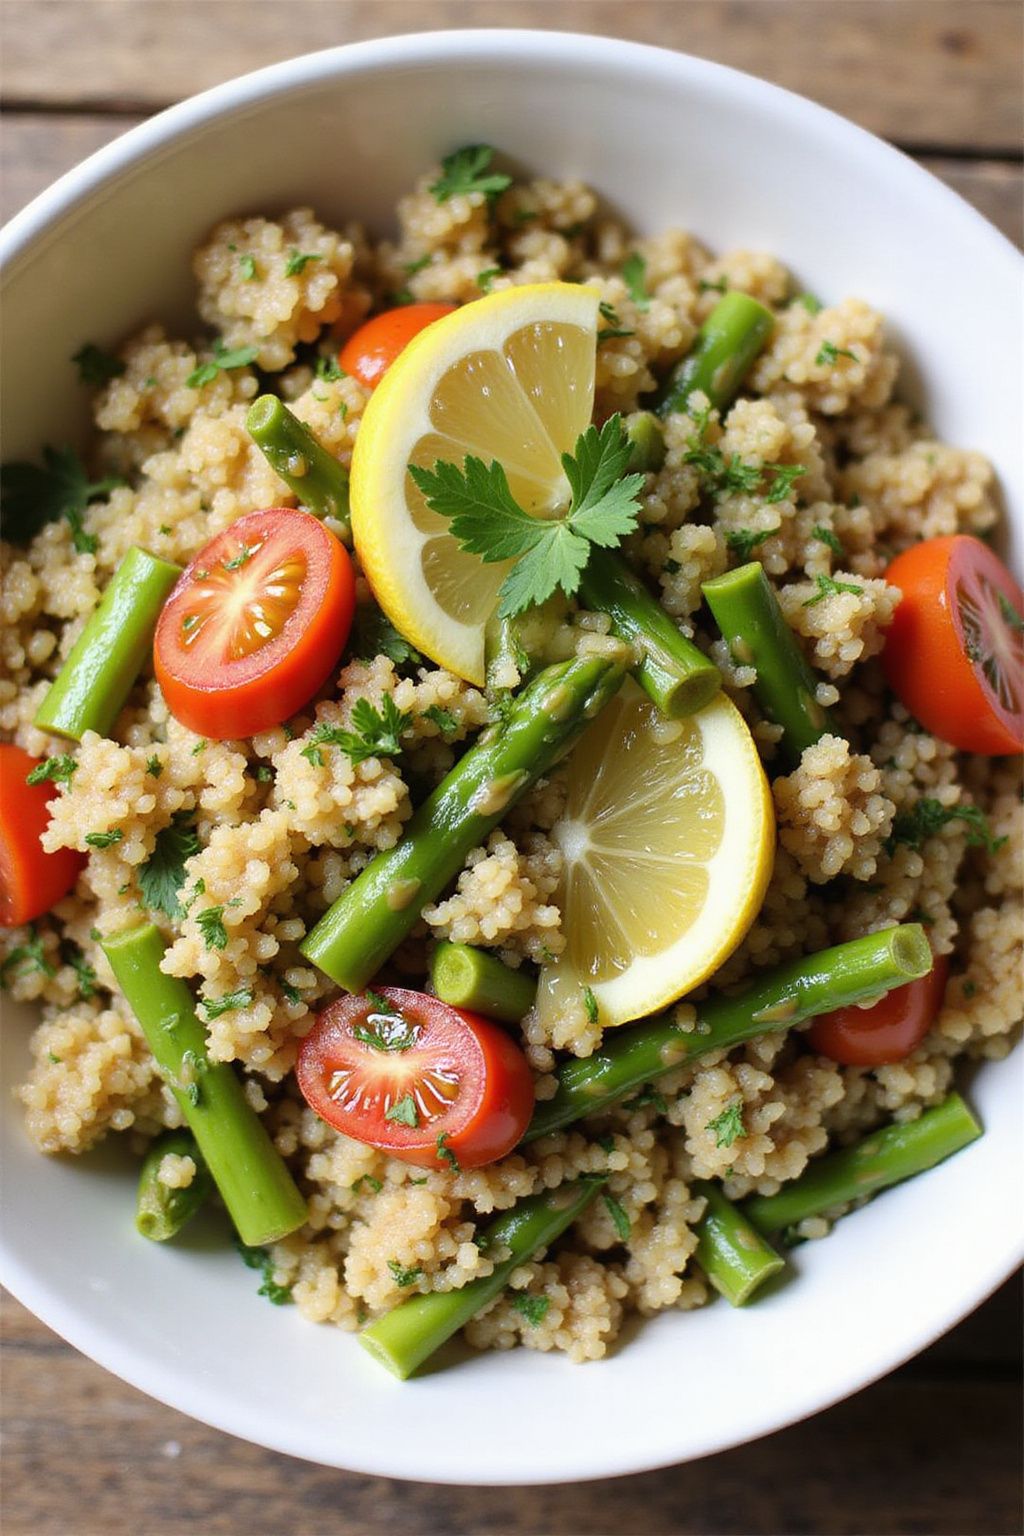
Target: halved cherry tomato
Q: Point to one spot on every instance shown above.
(31, 881)
(255, 624)
(370, 351)
(422, 1081)
(886, 1032)
(954, 653)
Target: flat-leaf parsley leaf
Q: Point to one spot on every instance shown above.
(31, 495)
(728, 1126)
(466, 171)
(928, 816)
(163, 874)
(634, 273)
(376, 733)
(222, 361)
(533, 1308)
(58, 770)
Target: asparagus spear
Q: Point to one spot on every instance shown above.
(471, 978)
(747, 612)
(896, 1152)
(717, 363)
(848, 973)
(410, 1333)
(161, 1211)
(255, 1185)
(372, 916)
(522, 642)
(735, 1257)
(677, 676)
(89, 692)
(307, 469)
(647, 439)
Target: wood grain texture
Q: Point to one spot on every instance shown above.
(937, 73)
(935, 1449)
(36, 148)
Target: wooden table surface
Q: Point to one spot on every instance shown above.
(936, 1448)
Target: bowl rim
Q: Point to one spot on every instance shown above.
(293, 76)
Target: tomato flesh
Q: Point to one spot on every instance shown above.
(430, 1084)
(255, 624)
(31, 880)
(954, 653)
(886, 1032)
(370, 351)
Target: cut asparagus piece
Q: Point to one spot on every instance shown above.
(259, 1192)
(735, 1257)
(849, 973)
(307, 469)
(161, 1210)
(472, 978)
(721, 356)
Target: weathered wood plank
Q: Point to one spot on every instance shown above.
(928, 72)
(36, 148)
(84, 1453)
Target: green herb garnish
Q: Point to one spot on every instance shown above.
(590, 1007)
(163, 874)
(96, 367)
(404, 1112)
(620, 1221)
(104, 839)
(634, 274)
(57, 770)
(32, 495)
(466, 171)
(743, 541)
(728, 1126)
(211, 926)
(298, 261)
(376, 733)
(27, 957)
(485, 278)
(533, 1308)
(404, 1277)
(228, 1002)
(927, 816)
(826, 536)
(828, 588)
(829, 353)
(222, 361)
(259, 1258)
(445, 1153)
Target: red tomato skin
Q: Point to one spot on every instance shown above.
(238, 698)
(925, 661)
(31, 881)
(887, 1032)
(487, 1119)
(370, 351)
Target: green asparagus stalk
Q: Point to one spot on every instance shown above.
(894, 1153)
(647, 442)
(160, 1211)
(89, 692)
(747, 612)
(472, 978)
(849, 973)
(371, 917)
(261, 1197)
(725, 347)
(522, 642)
(307, 469)
(410, 1333)
(677, 676)
(733, 1255)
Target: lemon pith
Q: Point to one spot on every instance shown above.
(507, 377)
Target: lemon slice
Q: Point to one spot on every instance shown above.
(668, 839)
(507, 377)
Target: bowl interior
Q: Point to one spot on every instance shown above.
(668, 141)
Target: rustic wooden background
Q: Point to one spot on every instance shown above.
(936, 1448)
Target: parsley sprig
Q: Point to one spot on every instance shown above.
(827, 587)
(163, 874)
(33, 494)
(466, 171)
(728, 1126)
(550, 553)
(928, 816)
(259, 1258)
(222, 361)
(25, 958)
(55, 770)
(634, 275)
(376, 733)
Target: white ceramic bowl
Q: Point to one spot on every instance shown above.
(669, 140)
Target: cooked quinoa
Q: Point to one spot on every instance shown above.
(279, 834)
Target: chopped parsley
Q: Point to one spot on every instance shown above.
(928, 816)
(485, 278)
(154, 766)
(829, 588)
(248, 266)
(614, 327)
(385, 1029)
(32, 495)
(298, 261)
(743, 541)
(237, 561)
(620, 1221)
(376, 733)
(375, 634)
(291, 994)
(96, 367)
(163, 874)
(56, 770)
(328, 369)
(404, 1112)
(550, 554)
(533, 1308)
(73, 956)
(211, 926)
(371, 1183)
(829, 353)
(404, 1277)
(104, 839)
(445, 721)
(199, 746)
(728, 1126)
(26, 958)
(222, 361)
(466, 171)
(809, 302)
(259, 1258)
(634, 274)
(826, 536)
(590, 1007)
(228, 1002)
(784, 477)
(445, 1153)
(1009, 613)
(648, 1097)
(705, 285)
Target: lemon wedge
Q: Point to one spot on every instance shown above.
(668, 839)
(507, 377)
